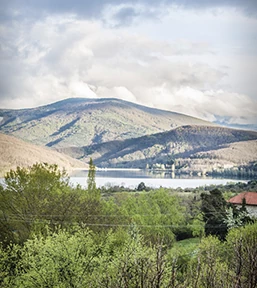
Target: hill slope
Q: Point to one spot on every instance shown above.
(81, 122)
(191, 143)
(15, 152)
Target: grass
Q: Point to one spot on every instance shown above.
(190, 243)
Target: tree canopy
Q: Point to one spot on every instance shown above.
(57, 235)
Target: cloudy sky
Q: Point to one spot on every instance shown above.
(198, 57)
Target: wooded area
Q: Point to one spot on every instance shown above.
(56, 235)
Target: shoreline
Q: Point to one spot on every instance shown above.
(108, 169)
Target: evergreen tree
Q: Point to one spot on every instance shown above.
(214, 214)
(91, 185)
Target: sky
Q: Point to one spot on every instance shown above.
(197, 57)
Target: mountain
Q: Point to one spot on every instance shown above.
(117, 133)
(81, 122)
(190, 146)
(15, 152)
(224, 123)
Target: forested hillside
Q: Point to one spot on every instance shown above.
(80, 122)
(189, 148)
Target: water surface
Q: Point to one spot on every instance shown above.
(131, 179)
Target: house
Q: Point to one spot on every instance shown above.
(250, 202)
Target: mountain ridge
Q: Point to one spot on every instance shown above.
(85, 121)
(186, 143)
(121, 134)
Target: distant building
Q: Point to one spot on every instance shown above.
(250, 202)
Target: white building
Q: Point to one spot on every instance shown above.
(250, 201)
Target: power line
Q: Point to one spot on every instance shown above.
(44, 221)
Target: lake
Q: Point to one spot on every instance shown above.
(131, 178)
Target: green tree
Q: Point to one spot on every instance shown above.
(59, 259)
(209, 268)
(237, 217)
(214, 214)
(79, 258)
(9, 260)
(34, 196)
(159, 216)
(141, 186)
(91, 184)
(197, 226)
(134, 264)
(242, 259)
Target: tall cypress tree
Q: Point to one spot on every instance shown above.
(91, 185)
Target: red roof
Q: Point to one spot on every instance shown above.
(250, 198)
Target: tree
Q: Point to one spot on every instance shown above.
(214, 214)
(208, 268)
(91, 184)
(34, 196)
(59, 259)
(197, 226)
(141, 186)
(159, 216)
(242, 243)
(9, 260)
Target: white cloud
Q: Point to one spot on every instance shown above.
(209, 105)
(60, 57)
(116, 92)
(81, 89)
